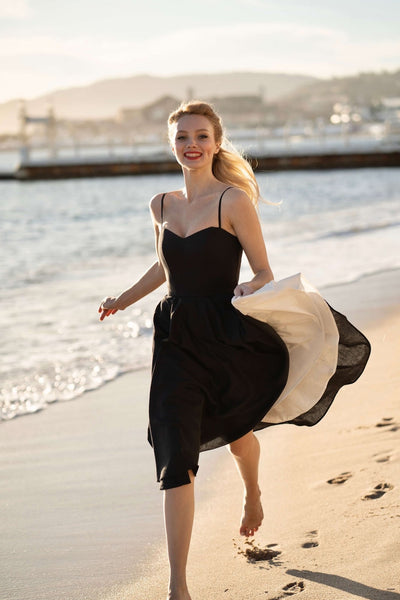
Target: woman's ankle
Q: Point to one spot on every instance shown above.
(177, 586)
(178, 592)
(252, 492)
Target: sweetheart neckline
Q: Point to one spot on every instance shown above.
(181, 237)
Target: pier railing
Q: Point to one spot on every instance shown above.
(265, 153)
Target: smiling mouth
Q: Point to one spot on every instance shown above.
(192, 155)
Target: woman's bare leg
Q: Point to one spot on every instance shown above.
(246, 452)
(178, 518)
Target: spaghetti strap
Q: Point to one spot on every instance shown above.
(219, 206)
(162, 209)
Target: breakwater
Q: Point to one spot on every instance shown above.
(108, 167)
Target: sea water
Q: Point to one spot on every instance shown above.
(67, 244)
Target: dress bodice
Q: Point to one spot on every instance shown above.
(202, 264)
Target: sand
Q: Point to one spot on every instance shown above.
(330, 493)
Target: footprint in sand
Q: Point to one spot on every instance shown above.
(290, 589)
(312, 539)
(383, 457)
(294, 587)
(378, 491)
(256, 553)
(385, 422)
(388, 422)
(342, 478)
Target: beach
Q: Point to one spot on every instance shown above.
(70, 479)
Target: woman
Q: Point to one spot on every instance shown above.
(215, 372)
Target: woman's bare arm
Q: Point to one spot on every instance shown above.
(150, 280)
(246, 224)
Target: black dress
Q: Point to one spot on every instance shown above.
(215, 371)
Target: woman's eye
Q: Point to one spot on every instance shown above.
(180, 137)
(203, 136)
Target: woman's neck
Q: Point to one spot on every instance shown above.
(198, 183)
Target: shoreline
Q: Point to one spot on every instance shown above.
(368, 299)
(72, 497)
(336, 294)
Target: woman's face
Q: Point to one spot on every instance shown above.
(193, 141)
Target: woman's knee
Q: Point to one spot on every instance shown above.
(244, 445)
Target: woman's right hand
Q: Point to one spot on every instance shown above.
(108, 307)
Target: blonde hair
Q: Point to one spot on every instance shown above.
(229, 165)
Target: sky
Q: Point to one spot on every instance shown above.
(47, 45)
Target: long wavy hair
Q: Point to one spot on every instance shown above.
(229, 165)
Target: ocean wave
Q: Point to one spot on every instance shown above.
(357, 229)
(29, 391)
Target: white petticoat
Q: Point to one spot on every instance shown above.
(303, 319)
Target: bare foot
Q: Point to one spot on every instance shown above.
(252, 514)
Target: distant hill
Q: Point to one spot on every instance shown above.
(102, 99)
(364, 89)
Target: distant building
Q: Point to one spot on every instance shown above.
(129, 116)
(391, 103)
(237, 104)
(390, 113)
(159, 111)
(390, 108)
(241, 111)
(156, 112)
(149, 120)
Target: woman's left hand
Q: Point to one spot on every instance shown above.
(243, 289)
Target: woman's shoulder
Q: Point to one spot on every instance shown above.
(157, 199)
(155, 206)
(236, 198)
(238, 207)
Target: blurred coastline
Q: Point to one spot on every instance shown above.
(264, 114)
